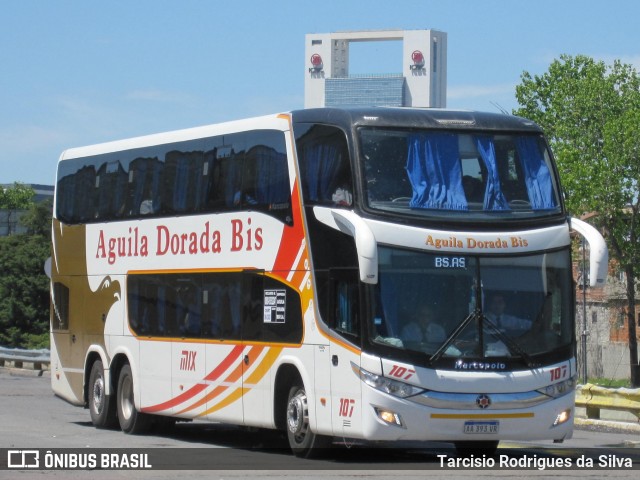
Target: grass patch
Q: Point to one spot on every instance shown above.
(611, 382)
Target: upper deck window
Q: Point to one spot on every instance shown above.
(478, 175)
(239, 171)
(325, 168)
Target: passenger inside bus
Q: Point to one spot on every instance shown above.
(342, 196)
(191, 308)
(424, 327)
(497, 313)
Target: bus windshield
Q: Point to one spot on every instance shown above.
(472, 307)
(479, 175)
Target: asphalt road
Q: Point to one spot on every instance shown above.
(33, 419)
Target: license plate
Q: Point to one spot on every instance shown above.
(481, 427)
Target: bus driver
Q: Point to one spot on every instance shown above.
(424, 328)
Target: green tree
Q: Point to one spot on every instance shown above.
(24, 288)
(591, 114)
(18, 197)
(37, 219)
(24, 291)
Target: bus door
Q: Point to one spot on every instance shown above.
(271, 322)
(188, 353)
(259, 317)
(221, 326)
(147, 316)
(345, 320)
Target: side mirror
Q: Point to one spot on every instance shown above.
(366, 246)
(47, 267)
(599, 256)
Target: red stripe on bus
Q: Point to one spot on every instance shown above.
(291, 237)
(226, 363)
(196, 389)
(260, 371)
(233, 377)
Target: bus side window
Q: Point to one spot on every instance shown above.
(344, 302)
(189, 300)
(221, 309)
(182, 178)
(325, 168)
(111, 184)
(271, 310)
(252, 306)
(70, 188)
(144, 181)
(60, 302)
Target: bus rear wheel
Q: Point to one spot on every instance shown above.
(303, 442)
(131, 420)
(102, 407)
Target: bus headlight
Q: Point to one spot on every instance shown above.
(386, 385)
(559, 389)
(562, 417)
(387, 416)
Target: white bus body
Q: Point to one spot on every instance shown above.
(265, 273)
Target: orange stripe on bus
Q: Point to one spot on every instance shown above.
(266, 363)
(233, 377)
(236, 395)
(196, 389)
(479, 416)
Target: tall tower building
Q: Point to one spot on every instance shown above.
(422, 82)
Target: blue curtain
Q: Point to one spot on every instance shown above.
(388, 304)
(146, 180)
(537, 174)
(494, 198)
(233, 187)
(435, 173)
(162, 301)
(322, 162)
(140, 174)
(200, 181)
(272, 182)
(181, 185)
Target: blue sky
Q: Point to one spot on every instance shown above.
(74, 73)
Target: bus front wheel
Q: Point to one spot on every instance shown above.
(102, 407)
(131, 420)
(303, 442)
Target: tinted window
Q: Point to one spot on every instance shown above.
(229, 305)
(325, 167)
(466, 175)
(60, 297)
(246, 171)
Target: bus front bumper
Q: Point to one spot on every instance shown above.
(389, 418)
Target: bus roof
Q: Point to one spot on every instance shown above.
(346, 118)
(271, 122)
(415, 118)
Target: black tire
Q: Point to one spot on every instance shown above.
(102, 407)
(477, 448)
(131, 420)
(303, 442)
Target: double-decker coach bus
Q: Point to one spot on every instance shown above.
(377, 274)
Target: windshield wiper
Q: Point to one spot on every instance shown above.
(542, 314)
(511, 344)
(461, 326)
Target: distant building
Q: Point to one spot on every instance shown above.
(422, 82)
(43, 192)
(10, 219)
(601, 320)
